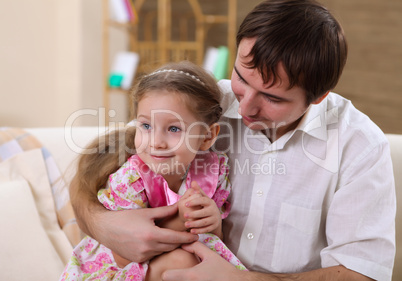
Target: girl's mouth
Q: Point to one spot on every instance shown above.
(161, 157)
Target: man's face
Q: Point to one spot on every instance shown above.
(265, 106)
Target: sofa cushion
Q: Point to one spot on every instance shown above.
(27, 253)
(30, 166)
(14, 141)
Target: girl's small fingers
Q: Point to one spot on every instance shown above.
(203, 223)
(195, 196)
(198, 201)
(189, 202)
(195, 186)
(201, 230)
(199, 214)
(190, 192)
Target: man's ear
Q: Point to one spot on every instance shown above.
(210, 136)
(320, 99)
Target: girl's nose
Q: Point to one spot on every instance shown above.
(158, 140)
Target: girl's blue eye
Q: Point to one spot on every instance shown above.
(146, 126)
(174, 129)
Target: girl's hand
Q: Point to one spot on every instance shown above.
(183, 206)
(200, 212)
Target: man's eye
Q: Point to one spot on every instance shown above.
(174, 129)
(272, 100)
(241, 80)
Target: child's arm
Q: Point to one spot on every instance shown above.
(173, 222)
(200, 213)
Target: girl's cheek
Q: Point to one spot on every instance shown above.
(141, 141)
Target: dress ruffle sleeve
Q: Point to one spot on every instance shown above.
(223, 187)
(124, 189)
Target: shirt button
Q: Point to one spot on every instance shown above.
(250, 236)
(259, 193)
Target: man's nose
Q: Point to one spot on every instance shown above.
(249, 105)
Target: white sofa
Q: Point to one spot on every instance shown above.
(65, 145)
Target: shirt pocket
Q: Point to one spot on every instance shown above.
(298, 240)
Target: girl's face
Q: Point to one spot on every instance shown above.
(168, 134)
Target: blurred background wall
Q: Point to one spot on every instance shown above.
(51, 60)
(372, 78)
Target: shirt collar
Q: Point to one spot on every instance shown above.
(232, 110)
(314, 122)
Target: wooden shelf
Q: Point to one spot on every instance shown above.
(157, 47)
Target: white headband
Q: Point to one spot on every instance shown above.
(176, 71)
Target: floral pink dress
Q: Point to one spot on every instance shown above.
(135, 186)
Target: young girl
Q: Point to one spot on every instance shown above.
(177, 110)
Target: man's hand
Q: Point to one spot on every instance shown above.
(214, 268)
(132, 234)
(211, 267)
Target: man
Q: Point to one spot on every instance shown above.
(313, 192)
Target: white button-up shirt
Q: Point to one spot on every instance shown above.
(321, 195)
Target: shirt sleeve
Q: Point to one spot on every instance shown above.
(360, 224)
(124, 190)
(224, 187)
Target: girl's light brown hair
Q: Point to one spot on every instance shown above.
(198, 88)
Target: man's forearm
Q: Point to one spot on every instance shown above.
(336, 273)
(86, 207)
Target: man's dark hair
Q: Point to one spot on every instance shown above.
(301, 34)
